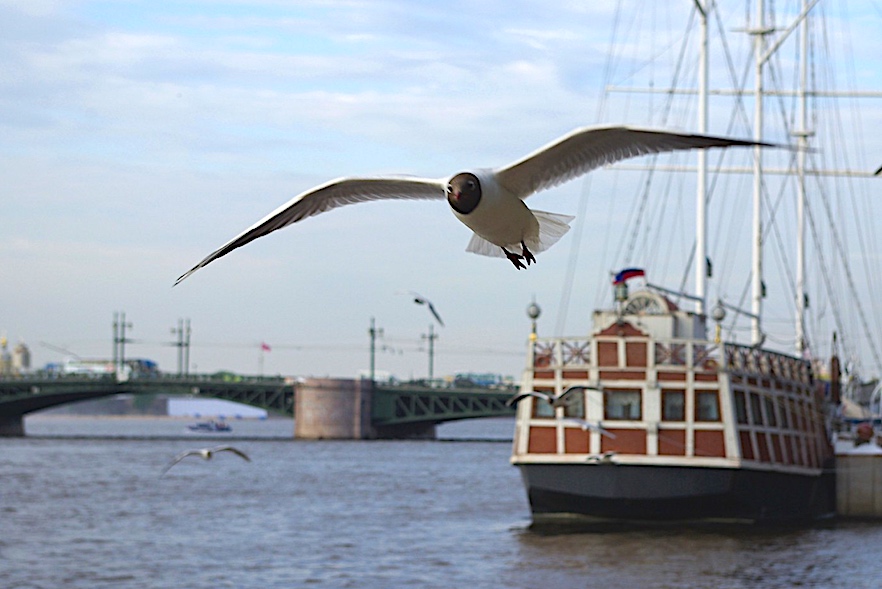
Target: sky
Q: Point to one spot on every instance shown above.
(137, 137)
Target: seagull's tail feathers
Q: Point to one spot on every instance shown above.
(551, 228)
(482, 247)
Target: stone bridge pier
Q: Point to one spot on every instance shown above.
(11, 426)
(341, 409)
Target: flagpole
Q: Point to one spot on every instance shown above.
(264, 348)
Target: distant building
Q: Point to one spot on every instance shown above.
(21, 359)
(5, 357)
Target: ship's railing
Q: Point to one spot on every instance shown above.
(558, 353)
(570, 353)
(772, 364)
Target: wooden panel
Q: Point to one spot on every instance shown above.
(627, 441)
(575, 374)
(762, 444)
(543, 440)
(607, 353)
(576, 440)
(712, 377)
(635, 353)
(543, 374)
(622, 375)
(672, 442)
(668, 376)
(776, 445)
(746, 445)
(622, 329)
(710, 443)
(796, 451)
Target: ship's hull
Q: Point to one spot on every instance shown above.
(645, 493)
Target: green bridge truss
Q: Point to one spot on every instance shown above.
(396, 405)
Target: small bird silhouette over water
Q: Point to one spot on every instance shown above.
(205, 453)
(490, 202)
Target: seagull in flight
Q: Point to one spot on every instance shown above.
(587, 425)
(421, 300)
(554, 401)
(490, 202)
(206, 454)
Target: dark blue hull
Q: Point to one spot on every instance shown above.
(610, 492)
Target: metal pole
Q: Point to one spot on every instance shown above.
(115, 340)
(432, 337)
(122, 342)
(186, 343)
(373, 334)
(757, 302)
(701, 195)
(180, 345)
(803, 134)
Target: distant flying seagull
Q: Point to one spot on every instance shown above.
(421, 300)
(587, 425)
(490, 202)
(554, 401)
(205, 453)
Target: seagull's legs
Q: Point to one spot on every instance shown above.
(527, 254)
(514, 259)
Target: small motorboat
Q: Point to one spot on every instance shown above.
(210, 426)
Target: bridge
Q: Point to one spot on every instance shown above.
(326, 408)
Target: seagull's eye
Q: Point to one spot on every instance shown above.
(471, 184)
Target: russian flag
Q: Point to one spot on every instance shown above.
(628, 273)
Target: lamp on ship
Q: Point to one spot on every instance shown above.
(533, 312)
(718, 314)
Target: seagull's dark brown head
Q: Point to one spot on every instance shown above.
(464, 193)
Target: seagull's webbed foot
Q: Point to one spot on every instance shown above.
(514, 259)
(527, 254)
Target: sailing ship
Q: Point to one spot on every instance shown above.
(653, 416)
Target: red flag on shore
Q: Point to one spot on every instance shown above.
(264, 347)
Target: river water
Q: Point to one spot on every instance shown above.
(82, 511)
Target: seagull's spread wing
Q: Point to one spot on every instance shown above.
(518, 398)
(591, 147)
(177, 459)
(231, 449)
(435, 313)
(421, 300)
(325, 197)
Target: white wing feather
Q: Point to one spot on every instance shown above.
(588, 148)
(325, 197)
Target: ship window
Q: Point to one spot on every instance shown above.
(707, 406)
(771, 415)
(786, 420)
(740, 407)
(621, 404)
(755, 410)
(542, 408)
(574, 403)
(673, 406)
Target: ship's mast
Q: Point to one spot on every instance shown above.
(701, 196)
(802, 135)
(759, 32)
